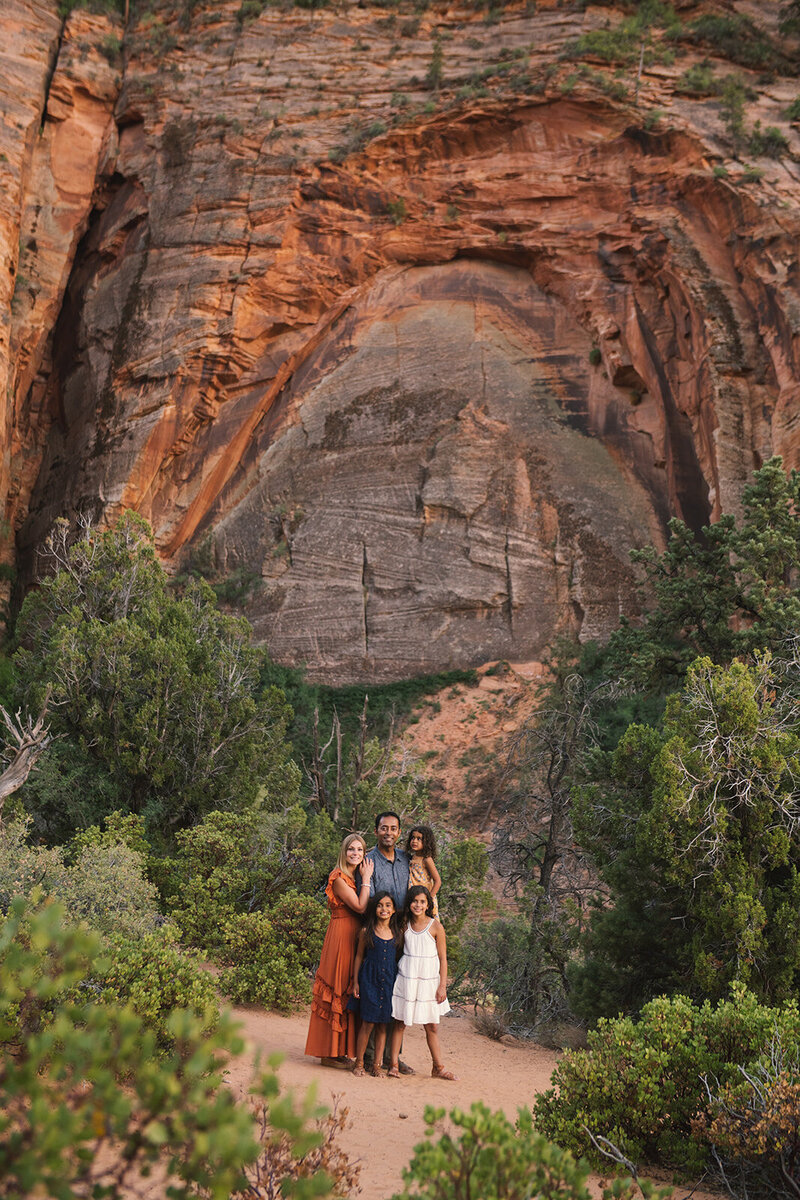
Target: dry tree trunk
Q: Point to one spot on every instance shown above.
(29, 739)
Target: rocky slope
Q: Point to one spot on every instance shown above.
(396, 320)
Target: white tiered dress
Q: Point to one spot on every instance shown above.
(414, 997)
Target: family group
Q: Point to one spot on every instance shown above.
(384, 959)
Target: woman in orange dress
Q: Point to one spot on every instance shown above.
(331, 1029)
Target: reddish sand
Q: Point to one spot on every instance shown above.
(386, 1115)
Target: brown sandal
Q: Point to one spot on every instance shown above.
(393, 1072)
(378, 1073)
(358, 1069)
(441, 1073)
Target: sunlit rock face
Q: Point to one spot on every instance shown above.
(424, 398)
(431, 487)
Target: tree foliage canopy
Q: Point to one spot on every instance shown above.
(728, 592)
(696, 831)
(157, 694)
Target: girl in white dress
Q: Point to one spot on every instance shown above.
(420, 989)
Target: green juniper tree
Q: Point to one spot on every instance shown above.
(156, 696)
(695, 828)
(731, 590)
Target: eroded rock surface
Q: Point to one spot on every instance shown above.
(424, 385)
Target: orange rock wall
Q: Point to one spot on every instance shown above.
(360, 374)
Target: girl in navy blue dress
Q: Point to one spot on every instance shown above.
(374, 971)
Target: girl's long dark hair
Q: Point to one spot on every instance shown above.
(371, 919)
(411, 894)
(428, 841)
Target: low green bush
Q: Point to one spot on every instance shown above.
(640, 1083)
(698, 80)
(768, 142)
(268, 957)
(155, 977)
(234, 863)
(485, 1155)
(497, 969)
(738, 38)
(106, 887)
(87, 1106)
(99, 879)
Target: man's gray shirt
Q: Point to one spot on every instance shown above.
(391, 877)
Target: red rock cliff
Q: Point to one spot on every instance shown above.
(423, 362)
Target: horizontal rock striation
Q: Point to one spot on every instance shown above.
(416, 366)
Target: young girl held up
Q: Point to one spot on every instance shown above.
(420, 990)
(375, 969)
(421, 851)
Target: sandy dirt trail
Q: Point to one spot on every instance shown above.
(386, 1115)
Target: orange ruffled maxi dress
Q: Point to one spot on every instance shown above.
(331, 1029)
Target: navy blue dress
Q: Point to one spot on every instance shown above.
(376, 982)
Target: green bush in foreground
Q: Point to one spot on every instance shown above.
(88, 1106)
(66, 1123)
(492, 1159)
(640, 1083)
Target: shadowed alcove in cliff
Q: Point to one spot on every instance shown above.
(449, 477)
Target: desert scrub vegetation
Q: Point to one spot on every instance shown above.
(90, 1104)
(739, 39)
(698, 80)
(644, 36)
(648, 1084)
(481, 1153)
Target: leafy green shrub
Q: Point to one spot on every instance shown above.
(397, 210)
(733, 94)
(498, 968)
(24, 867)
(463, 863)
(87, 1106)
(486, 1156)
(770, 141)
(434, 74)
(66, 1123)
(640, 1083)
(793, 111)
(154, 977)
(268, 956)
(103, 883)
(106, 887)
(231, 864)
(739, 39)
(698, 80)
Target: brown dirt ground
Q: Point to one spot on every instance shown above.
(386, 1115)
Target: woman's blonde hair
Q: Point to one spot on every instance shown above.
(346, 844)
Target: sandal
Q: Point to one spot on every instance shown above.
(441, 1073)
(393, 1073)
(359, 1070)
(378, 1073)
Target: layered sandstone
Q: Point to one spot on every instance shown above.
(424, 383)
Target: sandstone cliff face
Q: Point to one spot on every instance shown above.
(428, 394)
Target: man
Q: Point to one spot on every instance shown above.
(391, 863)
(390, 875)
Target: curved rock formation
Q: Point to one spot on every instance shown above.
(425, 385)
